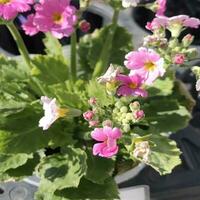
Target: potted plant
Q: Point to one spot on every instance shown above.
(76, 124)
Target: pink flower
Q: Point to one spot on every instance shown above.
(161, 7)
(88, 115)
(157, 23)
(185, 21)
(139, 114)
(108, 141)
(10, 8)
(131, 85)
(55, 16)
(29, 27)
(146, 63)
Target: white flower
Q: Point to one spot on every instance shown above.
(129, 3)
(142, 150)
(110, 75)
(51, 112)
(198, 85)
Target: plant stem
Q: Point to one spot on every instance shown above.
(20, 43)
(73, 56)
(105, 53)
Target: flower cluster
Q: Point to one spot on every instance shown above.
(174, 50)
(145, 67)
(127, 115)
(55, 16)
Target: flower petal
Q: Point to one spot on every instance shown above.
(97, 148)
(99, 135)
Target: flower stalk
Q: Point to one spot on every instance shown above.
(105, 53)
(20, 43)
(73, 56)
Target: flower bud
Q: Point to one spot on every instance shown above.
(179, 59)
(93, 123)
(124, 109)
(111, 87)
(88, 115)
(192, 53)
(92, 101)
(129, 116)
(142, 150)
(134, 106)
(198, 85)
(196, 71)
(119, 104)
(84, 26)
(107, 123)
(125, 121)
(187, 40)
(123, 115)
(139, 114)
(173, 43)
(115, 110)
(126, 128)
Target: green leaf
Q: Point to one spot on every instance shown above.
(74, 98)
(53, 46)
(89, 190)
(165, 114)
(61, 171)
(162, 87)
(52, 69)
(164, 154)
(99, 92)
(10, 106)
(99, 169)
(25, 170)
(11, 70)
(91, 45)
(182, 94)
(21, 132)
(12, 161)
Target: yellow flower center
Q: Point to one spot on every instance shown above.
(4, 1)
(57, 18)
(133, 85)
(62, 112)
(149, 66)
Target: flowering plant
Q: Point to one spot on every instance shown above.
(75, 122)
